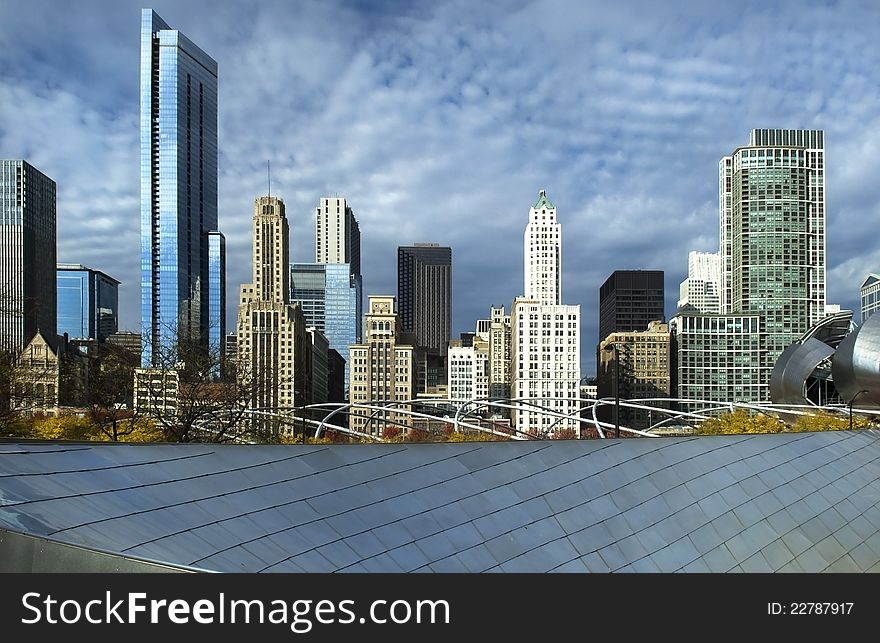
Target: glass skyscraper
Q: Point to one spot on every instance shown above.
(27, 255)
(217, 296)
(88, 302)
(178, 187)
(330, 296)
(772, 232)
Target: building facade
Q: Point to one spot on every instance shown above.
(382, 372)
(545, 336)
(702, 288)
(870, 295)
(424, 294)
(27, 255)
(772, 232)
(468, 368)
(88, 302)
(630, 300)
(716, 357)
(273, 350)
(330, 295)
(217, 297)
(337, 234)
(644, 360)
(178, 96)
(495, 331)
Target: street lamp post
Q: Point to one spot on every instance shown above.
(613, 346)
(851, 407)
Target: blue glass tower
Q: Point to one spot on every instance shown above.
(178, 188)
(330, 296)
(88, 302)
(217, 296)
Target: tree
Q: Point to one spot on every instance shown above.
(741, 421)
(110, 390)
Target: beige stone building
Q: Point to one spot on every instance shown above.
(381, 371)
(645, 371)
(272, 345)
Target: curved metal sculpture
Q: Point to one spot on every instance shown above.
(794, 367)
(856, 367)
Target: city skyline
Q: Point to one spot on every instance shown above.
(451, 157)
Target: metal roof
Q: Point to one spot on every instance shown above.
(783, 502)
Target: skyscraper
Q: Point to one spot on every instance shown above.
(337, 234)
(273, 347)
(542, 248)
(178, 187)
(869, 293)
(630, 300)
(330, 296)
(424, 294)
(27, 255)
(702, 288)
(88, 302)
(772, 232)
(217, 296)
(546, 335)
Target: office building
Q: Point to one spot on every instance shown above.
(542, 248)
(330, 297)
(88, 302)
(337, 234)
(424, 294)
(545, 339)
(716, 357)
(630, 300)
(495, 331)
(27, 255)
(382, 372)
(772, 231)
(870, 295)
(468, 368)
(636, 365)
(216, 296)
(273, 349)
(702, 288)
(178, 96)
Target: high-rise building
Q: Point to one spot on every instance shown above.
(217, 295)
(870, 295)
(88, 302)
(382, 372)
(771, 200)
(630, 300)
(636, 365)
(337, 234)
(545, 351)
(702, 288)
(178, 188)
(330, 296)
(542, 248)
(424, 294)
(716, 357)
(273, 349)
(27, 255)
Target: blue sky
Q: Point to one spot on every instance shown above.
(441, 121)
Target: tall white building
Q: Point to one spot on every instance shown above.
(542, 249)
(702, 288)
(337, 234)
(468, 370)
(545, 333)
(273, 348)
(870, 295)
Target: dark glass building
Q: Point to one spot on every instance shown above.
(424, 294)
(629, 300)
(27, 255)
(88, 302)
(178, 187)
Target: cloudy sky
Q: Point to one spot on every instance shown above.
(441, 121)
